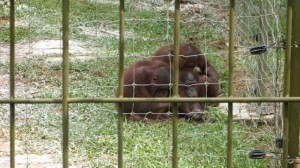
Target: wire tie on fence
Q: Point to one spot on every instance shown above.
(290, 161)
(296, 44)
(206, 84)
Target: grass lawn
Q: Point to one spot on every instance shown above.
(93, 127)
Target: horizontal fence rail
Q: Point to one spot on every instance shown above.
(155, 100)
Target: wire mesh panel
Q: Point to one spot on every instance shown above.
(260, 24)
(93, 54)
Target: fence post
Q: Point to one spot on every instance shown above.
(12, 82)
(175, 82)
(121, 80)
(294, 107)
(230, 81)
(65, 81)
(286, 90)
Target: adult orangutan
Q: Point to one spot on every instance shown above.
(146, 79)
(189, 57)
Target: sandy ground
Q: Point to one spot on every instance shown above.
(45, 49)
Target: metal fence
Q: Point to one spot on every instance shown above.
(290, 104)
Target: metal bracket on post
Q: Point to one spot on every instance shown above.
(261, 154)
(256, 50)
(257, 154)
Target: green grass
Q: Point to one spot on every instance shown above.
(93, 138)
(93, 127)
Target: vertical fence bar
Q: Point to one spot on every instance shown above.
(121, 80)
(284, 162)
(286, 88)
(12, 82)
(230, 81)
(294, 107)
(65, 89)
(175, 81)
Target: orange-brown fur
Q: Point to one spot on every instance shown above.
(151, 79)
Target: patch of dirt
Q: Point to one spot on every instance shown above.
(98, 31)
(31, 161)
(219, 44)
(4, 86)
(28, 160)
(43, 48)
(248, 113)
(4, 79)
(185, 8)
(23, 160)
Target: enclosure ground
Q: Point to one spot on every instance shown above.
(93, 73)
